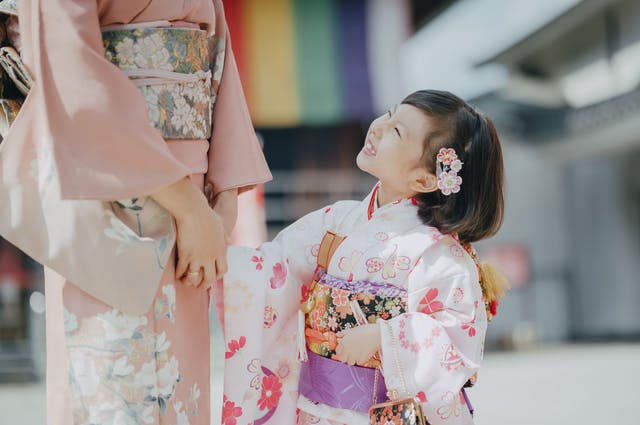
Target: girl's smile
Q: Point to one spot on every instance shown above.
(369, 149)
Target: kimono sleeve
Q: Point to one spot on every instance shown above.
(85, 109)
(437, 345)
(235, 154)
(275, 271)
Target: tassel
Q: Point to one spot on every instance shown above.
(302, 343)
(494, 283)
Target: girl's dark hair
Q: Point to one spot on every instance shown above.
(476, 211)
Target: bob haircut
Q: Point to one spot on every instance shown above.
(476, 212)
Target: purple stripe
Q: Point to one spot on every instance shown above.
(363, 286)
(339, 385)
(466, 400)
(354, 63)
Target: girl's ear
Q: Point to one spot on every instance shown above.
(423, 182)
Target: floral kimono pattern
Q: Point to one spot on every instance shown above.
(438, 327)
(128, 369)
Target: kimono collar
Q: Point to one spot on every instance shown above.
(373, 202)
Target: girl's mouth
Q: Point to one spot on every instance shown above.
(369, 149)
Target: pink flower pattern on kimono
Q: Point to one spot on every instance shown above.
(452, 405)
(258, 261)
(234, 346)
(415, 346)
(270, 316)
(388, 265)
(451, 359)
(428, 304)
(470, 325)
(271, 392)
(279, 276)
(230, 412)
(340, 297)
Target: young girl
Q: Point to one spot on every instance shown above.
(390, 287)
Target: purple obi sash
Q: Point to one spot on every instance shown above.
(338, 384)
(380, 289)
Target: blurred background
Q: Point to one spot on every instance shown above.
(560, 78)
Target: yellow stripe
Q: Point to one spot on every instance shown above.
(271, 62)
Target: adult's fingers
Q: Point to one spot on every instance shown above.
(194, 275)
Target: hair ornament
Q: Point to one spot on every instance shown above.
(447, 167)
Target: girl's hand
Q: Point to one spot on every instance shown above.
(359, 344)
(200, 240)
(226, 205)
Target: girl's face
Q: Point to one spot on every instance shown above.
(393, 150)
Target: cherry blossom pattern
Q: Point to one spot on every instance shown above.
(279, 276)
(340, 297)
(428, 303)
(311, 253)
(452, 405)
(234, 346)
(230, 412)
(271, 392)
(270, 316)
(458, 295)
(448, 165)
(469, 326)
(381, 237)
(414, 345)
(258, 261)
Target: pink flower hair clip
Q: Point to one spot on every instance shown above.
(447, 167)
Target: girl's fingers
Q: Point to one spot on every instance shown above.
(181, 267)
(221, 267)
(209, 274)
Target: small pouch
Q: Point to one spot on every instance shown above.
(406, 411)
(397, 411)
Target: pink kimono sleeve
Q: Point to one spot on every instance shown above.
(437, 345)
(235, 155)
(94, 118)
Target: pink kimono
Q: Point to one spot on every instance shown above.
(419, 285)
(105, 366)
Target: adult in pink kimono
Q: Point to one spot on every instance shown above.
(106, 366)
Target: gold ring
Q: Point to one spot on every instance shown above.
(191, 273)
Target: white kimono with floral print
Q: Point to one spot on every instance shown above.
(439, 340)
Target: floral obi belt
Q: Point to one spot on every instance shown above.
(177, 71)
(335, 305)
(339, 305)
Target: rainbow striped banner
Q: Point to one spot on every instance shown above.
(309, 62)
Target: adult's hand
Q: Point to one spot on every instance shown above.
(201, 242)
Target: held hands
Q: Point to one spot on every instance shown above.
(358, 345)
(201, 245)
(201, 238)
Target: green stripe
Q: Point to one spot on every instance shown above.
(316, 26)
